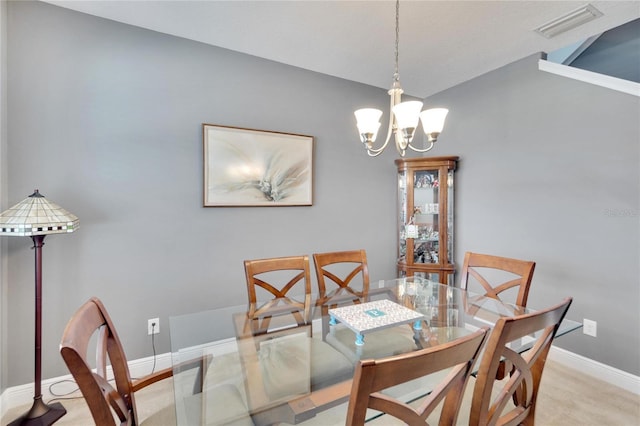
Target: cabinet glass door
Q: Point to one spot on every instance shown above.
(402, 216)
(450, 216)
(426, 209)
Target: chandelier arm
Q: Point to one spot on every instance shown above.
(374, 152)
(422, 149)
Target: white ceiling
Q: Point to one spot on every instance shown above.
(442, 43)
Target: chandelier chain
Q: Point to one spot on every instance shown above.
(396, 74)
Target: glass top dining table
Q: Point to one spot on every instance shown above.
(229, 369)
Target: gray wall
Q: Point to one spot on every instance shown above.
(105, 119)
(3, 192)
(549, 172)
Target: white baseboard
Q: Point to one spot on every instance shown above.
(23, 394)
(598, 370)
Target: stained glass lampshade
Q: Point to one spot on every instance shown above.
(35, 215)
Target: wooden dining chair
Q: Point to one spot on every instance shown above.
(513, 402)
(494, 275)
(103, 398)
(343, 279)
(115, 404)
(279, 313)
(373, 376)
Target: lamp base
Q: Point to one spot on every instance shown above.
(40, 414)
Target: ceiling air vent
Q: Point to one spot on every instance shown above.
(569, 21)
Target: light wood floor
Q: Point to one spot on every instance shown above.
(567, 398)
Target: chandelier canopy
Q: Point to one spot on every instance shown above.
(403, 117)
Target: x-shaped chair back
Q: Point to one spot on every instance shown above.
(484, 268)
(375, 375)
(523, 382)
(343, 278)
(346, 271)
(278, 277)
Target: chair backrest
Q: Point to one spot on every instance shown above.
(101, 397)
(485, 269)
(373, 376)
(346, 272)
(278, 278)
(525, 370)
(343, 278)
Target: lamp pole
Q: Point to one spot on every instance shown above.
(40, 413)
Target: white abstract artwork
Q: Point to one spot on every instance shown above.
(245, 167)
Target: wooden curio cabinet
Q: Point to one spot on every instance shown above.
(425, 217)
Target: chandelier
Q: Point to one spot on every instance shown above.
(403, 118)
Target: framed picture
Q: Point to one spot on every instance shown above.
(246, 167)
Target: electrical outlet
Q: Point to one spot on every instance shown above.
(589, 327)
(153, 326)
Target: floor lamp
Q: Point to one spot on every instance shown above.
(36, 217)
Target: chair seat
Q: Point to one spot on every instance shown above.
(163, 417)
(438, 335)
(328, 366)
(301, 365)
(224, 406)
(378, 344)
